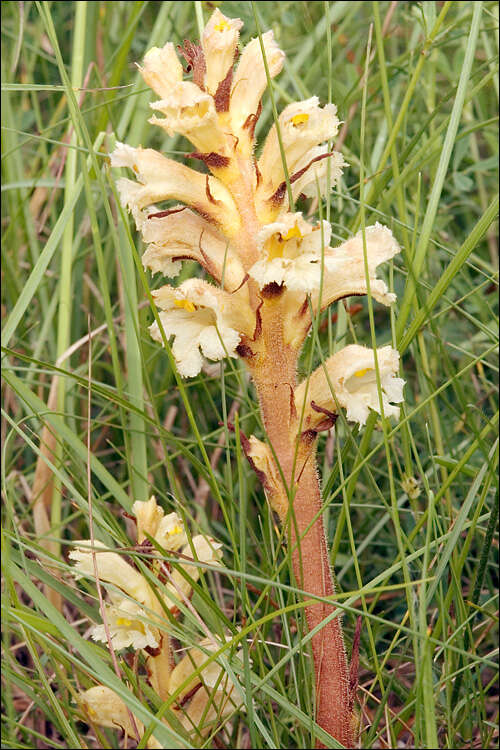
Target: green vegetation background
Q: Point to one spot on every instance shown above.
(411, 508)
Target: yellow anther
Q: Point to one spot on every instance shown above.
(299, 119)
(360, 373)
(175, 530)
(222, 26)
(124, 622)
(293, 232)
(185, 304)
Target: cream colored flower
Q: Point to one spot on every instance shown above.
(167, 530)
(111, 568)
(345, 269)
(184, 234)
(148, 515)
(303, 126)
(219, 40)
(249, 84)
(135, 619)
(316, 172)
(207, 698)
(129, 625)
(201, 550)
(204, 321)
(352, 377)
(105, 708)
(127, 620)
(191, 112)
(291, 251)
(162, 69)
(161, 179)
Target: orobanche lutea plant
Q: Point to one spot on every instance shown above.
(274, 271)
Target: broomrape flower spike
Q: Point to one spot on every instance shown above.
(270, 269)
(135, 618)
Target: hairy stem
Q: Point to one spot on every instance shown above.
(274, 375)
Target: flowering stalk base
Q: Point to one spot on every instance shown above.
(299, 506)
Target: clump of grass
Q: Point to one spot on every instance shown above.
(411, 512)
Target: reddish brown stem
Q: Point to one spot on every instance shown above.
(275, 379)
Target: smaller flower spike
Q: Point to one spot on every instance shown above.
(352, 385)
(204, 321)
(134, 616)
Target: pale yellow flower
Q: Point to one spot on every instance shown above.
(203, 320)
(111, 568)
(249, 84)
(316, 173)
(160, 179)
(303, 125)
(291, 253)
(134, 617)
(219, 41)
(105, 708)
(162, 69)
(345, 268)
(352, 377)
(191, 112)
(128, 625)
(184, 234)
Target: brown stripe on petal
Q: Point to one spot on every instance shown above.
(162, 214)
(277, 197)
(302, 171)
(252, 120)
(193, 55)
(212, 160)
(209, 194)
(258, 321)
(208, 264)
(258, 174)
(188, 696)
(223, 93)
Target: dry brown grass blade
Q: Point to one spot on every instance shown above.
(43, 490)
